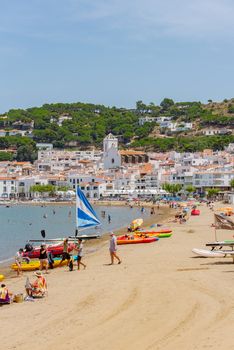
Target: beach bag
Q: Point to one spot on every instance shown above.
(19, 298)
(71, 265)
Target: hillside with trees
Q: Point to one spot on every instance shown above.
(83, 125)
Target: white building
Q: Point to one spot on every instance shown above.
(218, 178)
(8, 187)
(144, 120)
(212, 132)
(111, 155)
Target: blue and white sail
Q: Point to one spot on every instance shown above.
(85, 215)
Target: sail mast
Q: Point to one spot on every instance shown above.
(76, 233)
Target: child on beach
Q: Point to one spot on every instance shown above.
(18, 261)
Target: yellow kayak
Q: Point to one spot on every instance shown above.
(35, 265)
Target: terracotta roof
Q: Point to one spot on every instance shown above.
(132, 153)
(146, 168)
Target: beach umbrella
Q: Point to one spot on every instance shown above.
(136, 223)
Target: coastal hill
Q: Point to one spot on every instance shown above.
(182, 126)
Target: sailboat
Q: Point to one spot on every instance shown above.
(85, 218)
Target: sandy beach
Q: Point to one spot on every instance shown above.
(160, 297)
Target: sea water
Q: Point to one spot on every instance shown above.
(20, 223)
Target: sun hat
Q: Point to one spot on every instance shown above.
(38, 273)
(111, 233)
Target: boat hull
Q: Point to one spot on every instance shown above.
(135, 240)
(55, 249)
(34, 265)
(155, 234)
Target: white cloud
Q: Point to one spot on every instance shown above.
(176, 18)
(136, 20)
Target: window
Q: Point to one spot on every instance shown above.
(112, 160)
(12, 182)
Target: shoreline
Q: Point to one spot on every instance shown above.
(106, 203)
(161, 215)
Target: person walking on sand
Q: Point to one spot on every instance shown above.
(80, 254)
(66, 255)
(113, 248)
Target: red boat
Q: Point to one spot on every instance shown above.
(55, 249)
(195, 212)
(134, 239)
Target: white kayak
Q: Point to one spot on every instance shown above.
(209, 253)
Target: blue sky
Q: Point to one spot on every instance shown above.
(115, 52)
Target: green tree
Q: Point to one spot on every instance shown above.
(232, 183)
(190, 189)
(212, 192)
(141, 107)
(166, 103)
(172, 188)
(26, 153)
(6, 156)
(43, 189)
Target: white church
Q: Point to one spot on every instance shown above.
(111, 154)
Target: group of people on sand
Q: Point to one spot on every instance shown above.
(38, 288)
(46, 257)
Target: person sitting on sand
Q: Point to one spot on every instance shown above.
(113, 248)
(4, 295)
(38, 288)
